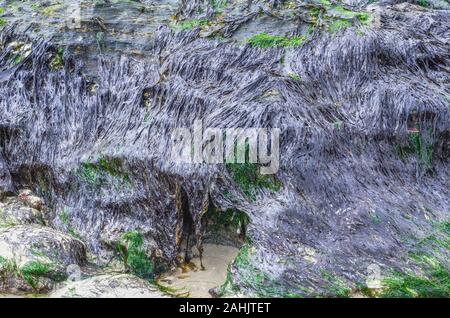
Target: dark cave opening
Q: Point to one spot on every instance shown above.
(188, 235)
(227, 227)
(218, 227)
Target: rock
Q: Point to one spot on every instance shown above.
(355, 187)
(109, 286)
(214, 292)
(34, 258)
(168, 280)
(29, 199)
(5, 179)
(14, 212)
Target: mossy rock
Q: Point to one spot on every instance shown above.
(34, 258)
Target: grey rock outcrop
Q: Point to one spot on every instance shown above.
(34, 257)
(108, 286)
(14, 212)
(5, 179)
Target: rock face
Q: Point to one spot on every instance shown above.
(13, 212)
(5, 178)
(360, 94)
(30, 200)
(34, 257)
(108, 286)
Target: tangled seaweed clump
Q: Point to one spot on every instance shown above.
(364, 137)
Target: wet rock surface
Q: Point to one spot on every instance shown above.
(108, 286)
(13, 212)
(360, 93)
(33, 258)
(25, 243)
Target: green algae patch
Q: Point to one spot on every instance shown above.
(335, 17)
(429, 273)
(99, 172)
(335, 286)
(433, 282)
(264, 41)
(249, 180)
(419, 145)
(56, 63)
(131, 247)
(192, 24)
(32, 271)
(337, 25)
